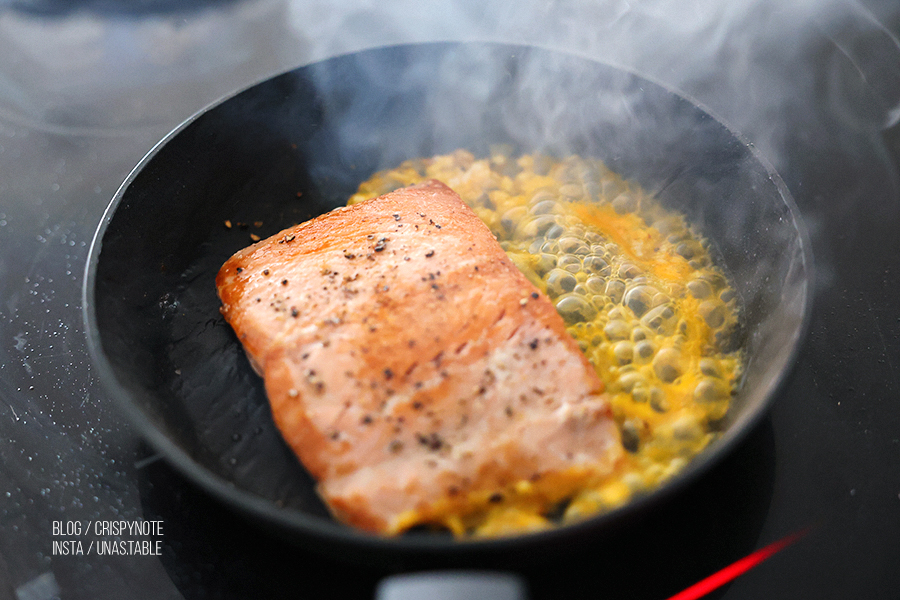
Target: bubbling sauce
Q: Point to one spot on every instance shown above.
(637, 288)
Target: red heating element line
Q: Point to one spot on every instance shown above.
(736, 569)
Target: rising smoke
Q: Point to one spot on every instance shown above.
(755, 63)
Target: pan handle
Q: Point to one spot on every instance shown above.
(452, 585)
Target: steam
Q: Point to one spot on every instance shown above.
(755, 63)
(792, 78)
(809, 74)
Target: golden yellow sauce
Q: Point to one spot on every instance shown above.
(640, 293)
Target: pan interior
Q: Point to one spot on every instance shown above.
(297, 145)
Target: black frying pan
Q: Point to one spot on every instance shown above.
(299, 144)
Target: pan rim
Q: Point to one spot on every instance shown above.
(316, 529)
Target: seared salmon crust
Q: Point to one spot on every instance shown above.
(416, 373)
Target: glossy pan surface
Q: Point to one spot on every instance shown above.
(299, 144)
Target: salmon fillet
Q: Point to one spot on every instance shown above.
(416, 373)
